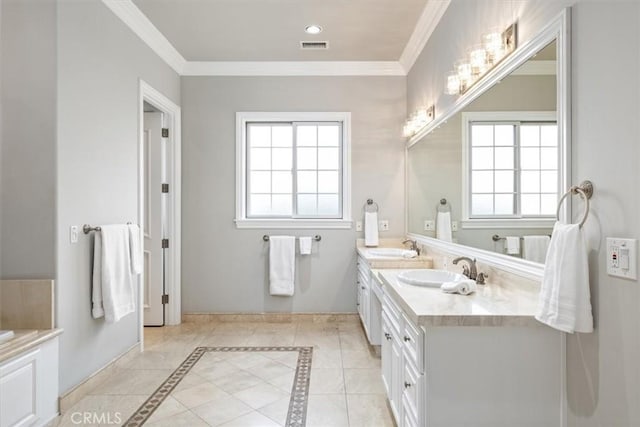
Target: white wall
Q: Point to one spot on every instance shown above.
(603, 374)
(99, 61)
(28, 46)
(225, 269)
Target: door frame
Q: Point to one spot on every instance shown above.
(172, 120)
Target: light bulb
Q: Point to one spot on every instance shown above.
(478, 61)
(492, 43)
(453, 84)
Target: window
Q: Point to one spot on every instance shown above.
(293, 170)
(511, 166)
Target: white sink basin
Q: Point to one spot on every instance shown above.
(391, 253)
(430, 278)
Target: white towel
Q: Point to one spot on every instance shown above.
(135, 248)
(535, 248)
(409, 254)
(462, 287)
(371, 228)
(282, 258)
(512, 244)
(113, 285)
(565, 300)
(305, 245)
(443, 226)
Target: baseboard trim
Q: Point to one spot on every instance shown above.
(73, 396)
(269, 317)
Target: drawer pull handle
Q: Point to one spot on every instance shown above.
(407, 385)
(406, 339)
(387, 336)
(362, 287)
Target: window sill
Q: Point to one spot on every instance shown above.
(508, 223)
(294, 223)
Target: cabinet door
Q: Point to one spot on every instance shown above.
(385, 353)
(18, 401)
(396, 377)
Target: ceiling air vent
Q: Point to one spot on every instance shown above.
(314, 45)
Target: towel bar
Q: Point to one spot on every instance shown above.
(317, 237)
(86, 229)
(370, 205)
(585, 189)
(497, 237)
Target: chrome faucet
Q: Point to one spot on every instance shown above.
(471, 271)
(414, 245)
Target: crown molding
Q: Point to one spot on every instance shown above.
(138, 22)
(427, 23)
(294, 68)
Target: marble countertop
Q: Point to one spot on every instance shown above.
(420, 261)
(490, 305)
(25, 339)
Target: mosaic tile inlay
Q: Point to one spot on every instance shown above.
(297, 414)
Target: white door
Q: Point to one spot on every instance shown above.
(154, 156)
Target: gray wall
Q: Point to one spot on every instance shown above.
(434, 164)
(100, 61)
(225, 269)
(602, 369)
(28, 46)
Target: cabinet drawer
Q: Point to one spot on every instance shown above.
(411, 390)
(363, 267)
(413, 343)
(18, 403)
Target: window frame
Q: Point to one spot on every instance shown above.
(506, 221)
(242, 220)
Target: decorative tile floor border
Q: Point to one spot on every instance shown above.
(297, 414)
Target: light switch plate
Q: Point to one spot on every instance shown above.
(383, 225)
(429, 225)
(73, 234)
(622, 257)
(454, 225)
(358, 225)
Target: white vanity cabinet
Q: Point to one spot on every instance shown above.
(29, 386)
(369, 307)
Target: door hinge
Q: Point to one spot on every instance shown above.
(165, 132)
(165, 243)
(165, 188)
(165, 299)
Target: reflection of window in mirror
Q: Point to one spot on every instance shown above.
(512, 165)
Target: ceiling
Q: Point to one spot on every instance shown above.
(271, 30)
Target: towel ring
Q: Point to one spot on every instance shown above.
(371, 205)
(585, 189)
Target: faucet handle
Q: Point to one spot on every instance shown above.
(481, 277)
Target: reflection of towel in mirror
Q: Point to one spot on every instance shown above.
(512, 244)
(565, 299)
(535, 248)
(443, 226)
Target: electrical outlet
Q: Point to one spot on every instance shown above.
(622, 258)
(429, 225)
(358, 225)
(454, 225)
(73, 234)
(383, 225)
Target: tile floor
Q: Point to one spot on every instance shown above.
(248, 389)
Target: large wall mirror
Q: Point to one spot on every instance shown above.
(497, 163)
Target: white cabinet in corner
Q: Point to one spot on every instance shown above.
(368, 302)
(29, 386)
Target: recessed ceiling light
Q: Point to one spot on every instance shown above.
(313, 29)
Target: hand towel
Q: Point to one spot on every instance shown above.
(564, 302)
(512, 244)
(409, 254)
(113, 285)
(135, 247)
(282, 258)
(305, 245)
(371, 228)
(462, 287)
(443, 226)
(535, 248)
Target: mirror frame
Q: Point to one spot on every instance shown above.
(559, 29)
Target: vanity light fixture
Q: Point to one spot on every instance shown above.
(313, 29)
(481, 59)
(418, 120)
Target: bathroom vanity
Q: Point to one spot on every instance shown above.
(480, 360)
